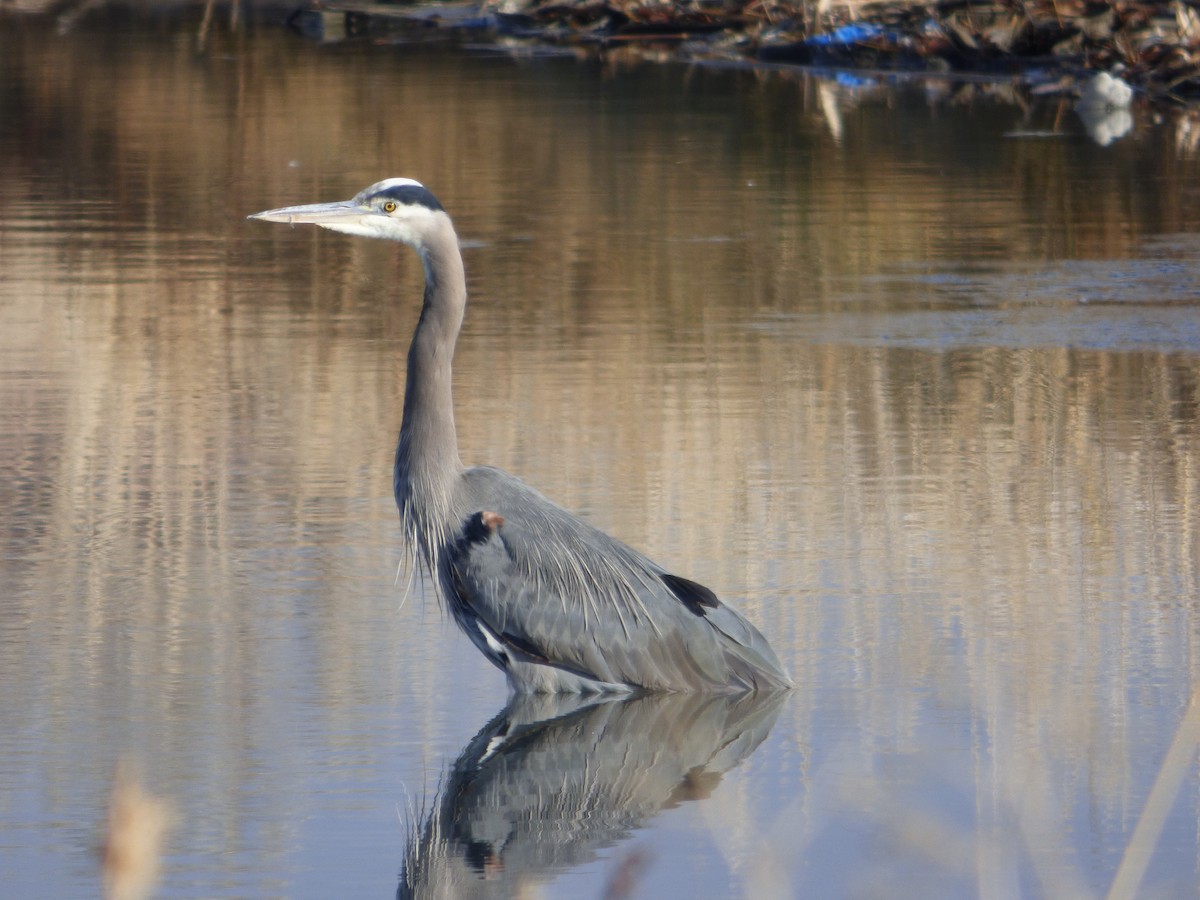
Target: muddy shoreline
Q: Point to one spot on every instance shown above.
(1153, 47)
(1050, 47)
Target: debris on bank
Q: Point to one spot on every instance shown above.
(1154, 47)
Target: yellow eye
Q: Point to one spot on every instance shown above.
(389, 206)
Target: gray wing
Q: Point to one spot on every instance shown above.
(562, 606)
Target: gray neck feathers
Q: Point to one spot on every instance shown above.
(427, 461)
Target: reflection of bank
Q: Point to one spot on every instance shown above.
(551, 780)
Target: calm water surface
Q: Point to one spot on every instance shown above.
(919, 392)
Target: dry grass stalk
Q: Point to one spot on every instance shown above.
(626, 875)
(1181, 756)
(138, 823)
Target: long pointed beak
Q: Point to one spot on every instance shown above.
(327, 214)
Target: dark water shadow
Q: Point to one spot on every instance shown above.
(551, 781)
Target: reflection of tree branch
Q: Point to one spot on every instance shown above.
(552, 780)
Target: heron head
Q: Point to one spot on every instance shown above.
(397, 209)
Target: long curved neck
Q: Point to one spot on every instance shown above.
(427, 461)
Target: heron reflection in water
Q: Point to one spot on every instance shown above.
(552, 781)
(558, 605)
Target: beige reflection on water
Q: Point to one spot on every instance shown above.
(197, 413)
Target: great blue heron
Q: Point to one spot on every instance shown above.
(558, 605)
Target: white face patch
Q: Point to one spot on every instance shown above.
(366, 226)
(407, 223)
